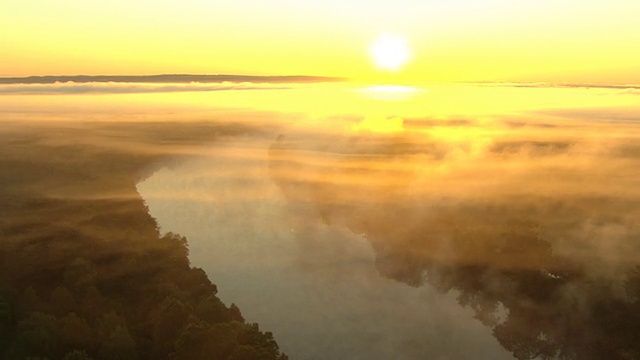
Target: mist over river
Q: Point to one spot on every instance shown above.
(496, 224)
(350, 221)
(313, 284)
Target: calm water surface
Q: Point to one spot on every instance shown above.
(451, 222)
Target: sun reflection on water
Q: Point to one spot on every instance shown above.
(390, 92)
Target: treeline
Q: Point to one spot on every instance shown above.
(84, 272)
(167, 79)
(145, 305)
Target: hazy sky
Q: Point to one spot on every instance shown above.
(461, 40)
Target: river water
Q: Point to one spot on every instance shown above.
(467, 222)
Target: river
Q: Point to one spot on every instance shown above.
(452, 222)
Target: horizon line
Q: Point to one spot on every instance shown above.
(169, 78)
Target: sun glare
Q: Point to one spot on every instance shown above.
(390, 52)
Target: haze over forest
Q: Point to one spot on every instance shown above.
(268, 180)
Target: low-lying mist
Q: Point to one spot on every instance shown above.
(493, 220)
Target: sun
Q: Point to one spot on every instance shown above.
(390, 52)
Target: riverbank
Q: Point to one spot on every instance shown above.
(84, 269)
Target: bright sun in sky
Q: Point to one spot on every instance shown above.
(390, 52)
(555, 41)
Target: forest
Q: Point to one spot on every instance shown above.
(85, 272)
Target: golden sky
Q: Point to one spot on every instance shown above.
(453, 40)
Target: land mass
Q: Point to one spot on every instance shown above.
(84, 270)
(167, 79)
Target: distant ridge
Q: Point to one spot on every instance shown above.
(554, 85)
(167, 78)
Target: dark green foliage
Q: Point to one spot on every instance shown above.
(6, 321)
(77, 355)
(244, 353)
(189, 323)
(84, 275)
(37, 336)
